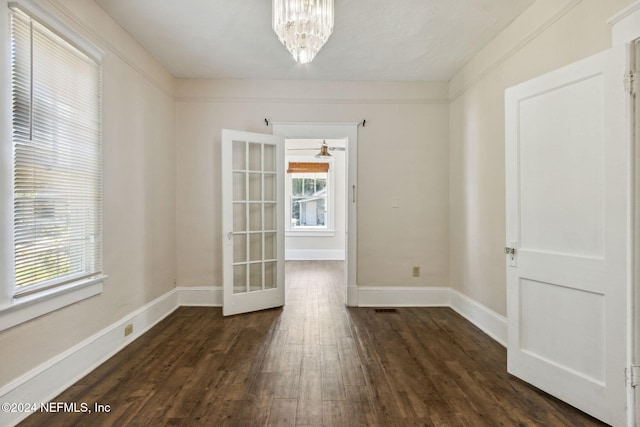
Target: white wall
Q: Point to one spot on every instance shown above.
(139, 194)
(298, 246)
(402, 152)
(550, 34)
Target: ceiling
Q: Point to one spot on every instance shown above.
(373, 40)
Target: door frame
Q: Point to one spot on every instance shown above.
(349, 132)
(634, 327)
(626, 31)
(633, 398)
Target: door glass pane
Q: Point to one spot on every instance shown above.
(239, 217)
(255, 156)
(269, 216)
(270, 158)
(255, 216)
(239, 155)
(255, 277)
(255, 186)
(239, 186)
(240, 248)
(270, 275)
(255, 246)
(270, 246)
(239, 278)
(270, 187)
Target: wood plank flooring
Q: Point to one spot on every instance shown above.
(312, 363)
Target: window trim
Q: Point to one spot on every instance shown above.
(57, 26)
(14, 308)
(311, 231)
(38, 304)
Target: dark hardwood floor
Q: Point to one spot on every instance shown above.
(312, 363)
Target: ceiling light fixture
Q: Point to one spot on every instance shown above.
(303, 26)
(324, 151)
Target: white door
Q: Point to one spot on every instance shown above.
(567, 178)
(252, 221)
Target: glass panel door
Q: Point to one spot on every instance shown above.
(252, 221)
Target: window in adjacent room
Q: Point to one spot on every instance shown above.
(309, 195)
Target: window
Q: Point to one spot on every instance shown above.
(309, 200)
(309, 195)
(57, 153)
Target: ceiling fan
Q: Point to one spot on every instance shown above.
(324, 150)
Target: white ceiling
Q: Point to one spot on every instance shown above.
(377, 40)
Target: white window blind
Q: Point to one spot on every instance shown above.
(56, 92)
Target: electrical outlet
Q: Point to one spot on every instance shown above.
(128, 330)
(416, 271)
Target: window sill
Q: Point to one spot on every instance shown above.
(38, 304)
(310, 233)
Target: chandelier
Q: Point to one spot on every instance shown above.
(303, 26)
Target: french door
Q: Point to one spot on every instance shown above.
(252, 221)
(568, 215)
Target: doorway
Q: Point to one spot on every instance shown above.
(346, 132)
(315, 200)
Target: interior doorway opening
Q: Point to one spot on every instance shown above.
(343, 135)
(315, 200)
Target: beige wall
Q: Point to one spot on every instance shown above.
(402, 152)
(550, 34)
(139, 195)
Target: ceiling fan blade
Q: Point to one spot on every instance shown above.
(313, 148)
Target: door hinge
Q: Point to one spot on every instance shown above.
(630, 82)
(633, 376)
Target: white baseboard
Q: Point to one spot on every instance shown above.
(207, 296)
(46, 381)
(352, 296)
(490, 322)
(314, 255)
(396, 296)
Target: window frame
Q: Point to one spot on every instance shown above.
(327, 230)
(15, 309)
